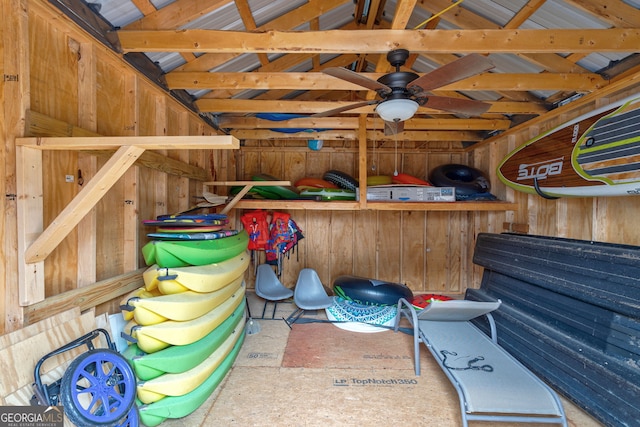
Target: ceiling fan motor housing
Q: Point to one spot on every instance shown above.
(398, 82)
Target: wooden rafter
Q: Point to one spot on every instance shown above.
(525, 13)
(614, 12)
(352, 123)
(177, 14)
(312, 107)
(451, 136)
(319, 81)
(288, 21)
(381, 41)
(463, 18)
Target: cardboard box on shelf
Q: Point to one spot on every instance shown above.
(409, 193)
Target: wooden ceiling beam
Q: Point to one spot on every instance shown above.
(320, 81)
(339, 61)
(312, 107)
(382, 41)
(455, 136)
(353, 123)
(307, 12)
(463, 18)
(249, 24)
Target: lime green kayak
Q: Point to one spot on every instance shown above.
(180, 384)
(274, 191)
(155, 413)
(168, 253)
(180, 358)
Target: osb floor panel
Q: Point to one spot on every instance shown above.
(336, 378)
(322, 345)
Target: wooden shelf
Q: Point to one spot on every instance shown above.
(238, 203)
(443, 206)
(380, 206)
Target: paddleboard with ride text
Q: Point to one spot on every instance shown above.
(596, 154)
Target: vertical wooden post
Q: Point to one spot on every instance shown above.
(160, 179)
(362, 159)
(87, 163)
(131, 215)
(30, 222)
(14, 102)
(179, 186)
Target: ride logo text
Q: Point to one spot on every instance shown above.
(540, 170)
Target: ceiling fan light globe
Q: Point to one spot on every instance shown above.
(397, 110)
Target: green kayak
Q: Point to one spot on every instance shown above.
(279, 192)
(155, 413)
(172, 254)
(180, 358)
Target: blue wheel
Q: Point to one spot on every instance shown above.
(132, 419)
(98, 389)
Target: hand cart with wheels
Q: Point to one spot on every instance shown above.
(97, 389)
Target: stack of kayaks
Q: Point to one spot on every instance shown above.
(186, 325)
(183, 240)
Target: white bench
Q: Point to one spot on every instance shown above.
(491, 384)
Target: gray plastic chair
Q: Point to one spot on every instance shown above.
(269, 288)
(309, 294)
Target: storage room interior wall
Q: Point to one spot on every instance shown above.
(74, 86)
(73, 80)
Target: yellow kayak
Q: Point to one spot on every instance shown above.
(199, 278)
(138, 293)
(153, 338)
(181, 306)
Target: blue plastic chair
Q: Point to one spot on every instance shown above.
(269, 288)
(309, 294)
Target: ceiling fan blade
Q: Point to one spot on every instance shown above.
(343, 108)
(353, 77)
(393, 128)
(459, 69)
(468, 107)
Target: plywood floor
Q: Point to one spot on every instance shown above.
(370, 383)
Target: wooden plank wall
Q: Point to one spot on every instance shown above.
(62, 74)
(607, 219)
(433, 251)
(55, 70)
(429, 251)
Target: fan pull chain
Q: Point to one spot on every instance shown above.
(395, 173)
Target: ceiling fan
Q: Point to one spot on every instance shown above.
(402, 92)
